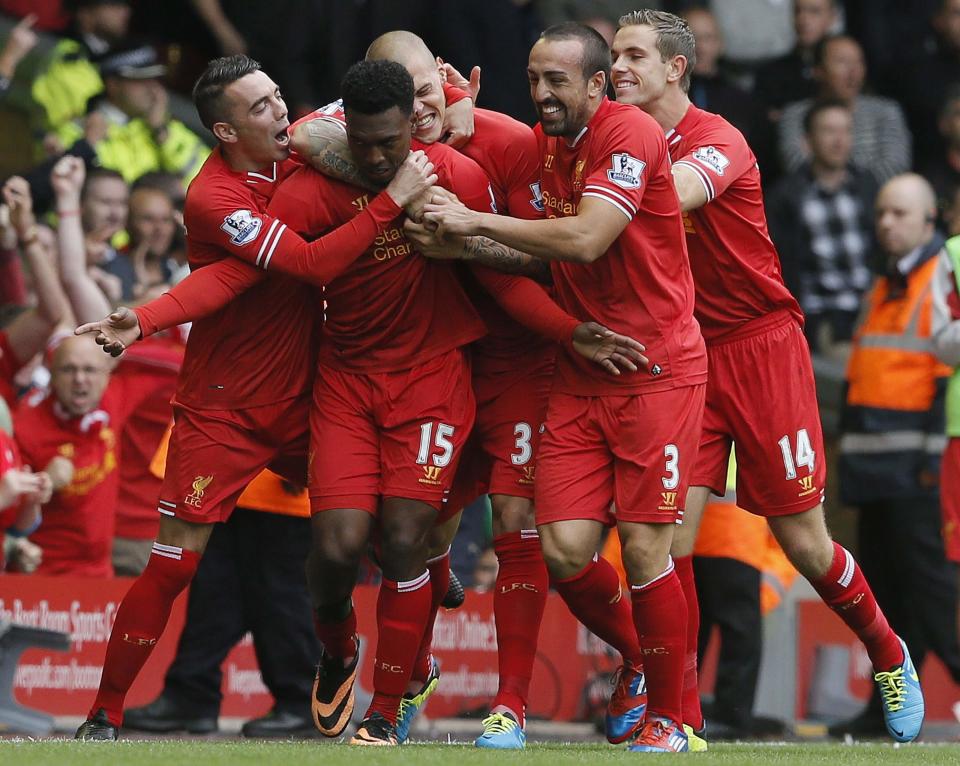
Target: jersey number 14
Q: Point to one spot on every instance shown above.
(804, 454)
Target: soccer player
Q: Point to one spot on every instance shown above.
(761, 393)
(615, 241)
(500, 457)
(234, 418)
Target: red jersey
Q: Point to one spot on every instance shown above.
(78, 523)
(642, 285)
(507, 151)
(391, 309)
(257, 349)
(9, 364)
(736, 269)
(149, 371)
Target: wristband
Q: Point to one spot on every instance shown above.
(65, 213)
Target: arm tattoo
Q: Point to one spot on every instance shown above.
(488, 252)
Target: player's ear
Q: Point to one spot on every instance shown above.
(441, 70)
(597, 85)
(224, 132)
(678, 65)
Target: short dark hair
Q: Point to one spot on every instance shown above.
(96, 174)
(596, 52)
(208, 91)
(818, 107)
(374, 87)
(674, 37)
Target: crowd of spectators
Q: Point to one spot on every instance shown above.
(835, 100)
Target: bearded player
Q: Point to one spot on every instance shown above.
(614, 239)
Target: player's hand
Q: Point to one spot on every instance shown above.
(429, 243)
(450, 217)
(67, 179)
(612, 351)
(458, 127)
(453, 77)
(414, 176)
(115, 332)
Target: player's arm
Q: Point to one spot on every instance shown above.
(265, 240)
(690, 190)
(322, 142)
(529, 304)
(479, 251)
(582, 238)
(203, 292)
(707, 171)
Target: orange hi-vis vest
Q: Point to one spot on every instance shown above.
(892, 365)
(892, 421)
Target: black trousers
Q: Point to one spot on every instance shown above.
(729, 594)
(902, 556)
(251, 578)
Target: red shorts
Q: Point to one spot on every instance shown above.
(500, 457)
(389, 434)
(214, 454)
(632, 451)
(761, 396)
(950, 498)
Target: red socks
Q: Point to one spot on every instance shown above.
(692, 715)
(439, 569)
(140, 621)
(595, 598)
(660, 616)
(338, 638)
(518, 604)
(845, 590)
(402, 612)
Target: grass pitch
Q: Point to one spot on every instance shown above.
(168, 752)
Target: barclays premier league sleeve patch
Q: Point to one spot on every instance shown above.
(712, 158)
(242, 226)
(626, 171)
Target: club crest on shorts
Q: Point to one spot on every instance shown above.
(242, 226)
(626, 171)
(714, 159)
(195, 498)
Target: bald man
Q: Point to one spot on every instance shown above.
(71, 432)
(893, 437)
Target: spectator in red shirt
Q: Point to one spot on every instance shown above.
(72, 432)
